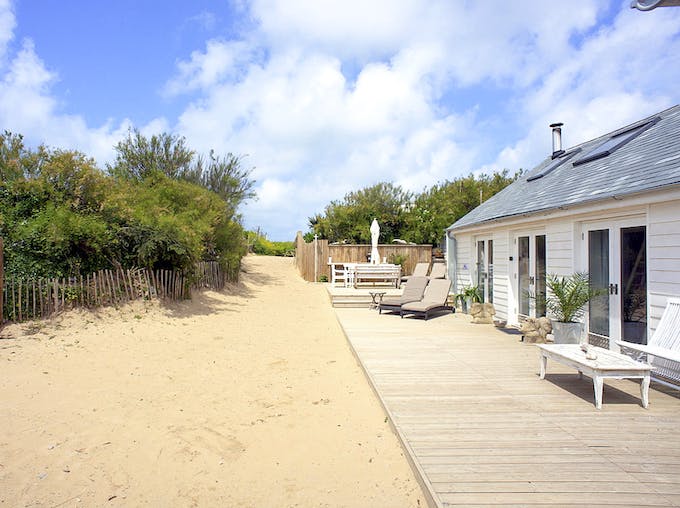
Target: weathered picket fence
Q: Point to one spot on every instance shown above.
(23, 300)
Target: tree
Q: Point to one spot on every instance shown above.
(163, 158)
(138, 157)
(441, 205)
(15, 160)
(168, 224)
(225, 177)
(349, 220)
(420, 218)
(141, 158)
(51, 219)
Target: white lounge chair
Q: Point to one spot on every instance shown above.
(662, 350)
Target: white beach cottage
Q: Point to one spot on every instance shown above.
(609, 207)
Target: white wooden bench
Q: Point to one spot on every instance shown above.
(389, 274)
(663, 348)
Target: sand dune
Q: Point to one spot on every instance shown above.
(250, 397)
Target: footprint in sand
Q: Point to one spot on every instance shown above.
(202, 439)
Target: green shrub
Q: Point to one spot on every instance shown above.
(62, 216)
(398, 259)
(261, 245)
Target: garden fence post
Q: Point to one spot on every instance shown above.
(316, 258)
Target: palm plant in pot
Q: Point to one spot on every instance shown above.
(566, 302)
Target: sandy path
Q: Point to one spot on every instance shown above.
(251, 398)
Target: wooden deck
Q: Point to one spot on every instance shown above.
(482, 429)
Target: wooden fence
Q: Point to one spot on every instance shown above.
(311, 259)
(22, 300)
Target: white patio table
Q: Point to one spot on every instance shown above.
(608, 364)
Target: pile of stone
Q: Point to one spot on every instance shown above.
(536, 330)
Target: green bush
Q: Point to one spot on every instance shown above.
(398, 259)
(62, 216)
(261, 245)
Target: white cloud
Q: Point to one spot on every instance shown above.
(349, 29)
(299, 118)
(7, 25)
(204, 19)
(613, 79)
(304, 117)
(204, 69)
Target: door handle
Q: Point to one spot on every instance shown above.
(613, 289)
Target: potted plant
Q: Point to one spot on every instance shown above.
(566, 302)
(468, 296)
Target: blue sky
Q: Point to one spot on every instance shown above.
(329, 97)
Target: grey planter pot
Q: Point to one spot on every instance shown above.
(567, 333)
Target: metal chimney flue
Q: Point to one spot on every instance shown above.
(556, 139)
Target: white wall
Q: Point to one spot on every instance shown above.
(464, 261)
(663, 254)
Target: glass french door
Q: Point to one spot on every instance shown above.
(485, 269)
(617, 266)
(531, 267)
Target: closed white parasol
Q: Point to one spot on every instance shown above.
(375, 233)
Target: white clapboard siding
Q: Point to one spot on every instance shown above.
(663, 256)
(560, 250)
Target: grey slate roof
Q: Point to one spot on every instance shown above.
(648, 162)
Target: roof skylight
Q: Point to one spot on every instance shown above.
(553, 165)
(614, 143)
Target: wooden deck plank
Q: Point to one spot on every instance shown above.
(556, 498)
(480, 428)
(540, 486)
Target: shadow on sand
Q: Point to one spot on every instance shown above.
(207, 302)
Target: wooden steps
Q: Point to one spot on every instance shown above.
(359, 298)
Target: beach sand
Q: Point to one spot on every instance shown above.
(249, 397)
